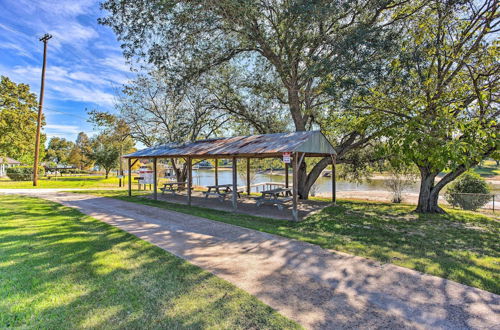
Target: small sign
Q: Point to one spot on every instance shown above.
(146, 177)
(120, 176)
(286, 157)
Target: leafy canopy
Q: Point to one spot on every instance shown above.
(18, 119)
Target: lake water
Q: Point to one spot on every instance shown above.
(205, 177)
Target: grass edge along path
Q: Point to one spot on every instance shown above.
(461, 246)
(62, 269)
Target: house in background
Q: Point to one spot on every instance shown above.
(6, 162)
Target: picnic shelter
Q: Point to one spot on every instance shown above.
(296, 146)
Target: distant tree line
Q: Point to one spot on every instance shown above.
(103, 150)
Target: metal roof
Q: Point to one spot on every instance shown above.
(7, 160)
(313, 143)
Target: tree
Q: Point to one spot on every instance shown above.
(58, 150)
(18, 120)
(442, 91)
(105, 153)
(470, 192)
(79, 154)
(157, 114)
(283, 50)
(115, 132)
(400, 178)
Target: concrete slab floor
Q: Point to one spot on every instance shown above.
(246, 205)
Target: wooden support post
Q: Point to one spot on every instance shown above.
(295, 194)
(155, 179)
(334, 179)
(235, 184)
(248, 176)
(190, 179)
(129, 177)
(216, 171)
(286, 175)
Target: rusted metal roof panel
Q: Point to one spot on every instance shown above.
(311, 142)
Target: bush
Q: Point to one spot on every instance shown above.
(469, 192)
(23, 173)
(71, 171)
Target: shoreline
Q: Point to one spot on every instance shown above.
(378, 176)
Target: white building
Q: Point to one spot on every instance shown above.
(6, 162)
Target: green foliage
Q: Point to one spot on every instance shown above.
(18, 118)
(58, 150)
(441, 92)
(469, 192)
(267, 66)
(23, 173)
(105, 154)
(72, 171)
(79, 155)
(113, 141)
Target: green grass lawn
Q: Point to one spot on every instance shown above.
(462, 246)
(60, 269)
(64, 182)
(488, 168)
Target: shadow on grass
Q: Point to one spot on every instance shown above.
(61, 269)
(462, 246)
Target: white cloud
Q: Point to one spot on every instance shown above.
(62, 128)
(84, 94)
(18, 48)
(73, 34)
(84, 62)
(116, 62)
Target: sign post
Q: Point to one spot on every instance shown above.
(146, 177)
(286, 157)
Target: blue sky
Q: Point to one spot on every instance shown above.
(85, 65)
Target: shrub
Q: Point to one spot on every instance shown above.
(71, 171)
(23, 173)
(469, 192)
(400, 178)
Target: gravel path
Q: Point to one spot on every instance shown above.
(315, 287)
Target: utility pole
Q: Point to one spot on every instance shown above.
(45, 39)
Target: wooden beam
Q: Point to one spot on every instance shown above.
(248, 176)
(286, 176)
(190, 179)
(129, 177)
(295, 188)
(235, 184)
(155, 179)
(334, 179)
(216, 171)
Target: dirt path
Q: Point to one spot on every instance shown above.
(317, 288)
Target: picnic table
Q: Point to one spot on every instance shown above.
(220, 191)
(277, 197)
(169, 187)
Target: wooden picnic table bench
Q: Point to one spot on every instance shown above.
(169, 187)
(221, 191)
(277, 197)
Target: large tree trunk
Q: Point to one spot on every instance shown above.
(429, 191)
(180, 172)
(306, 180)
(428, 196)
